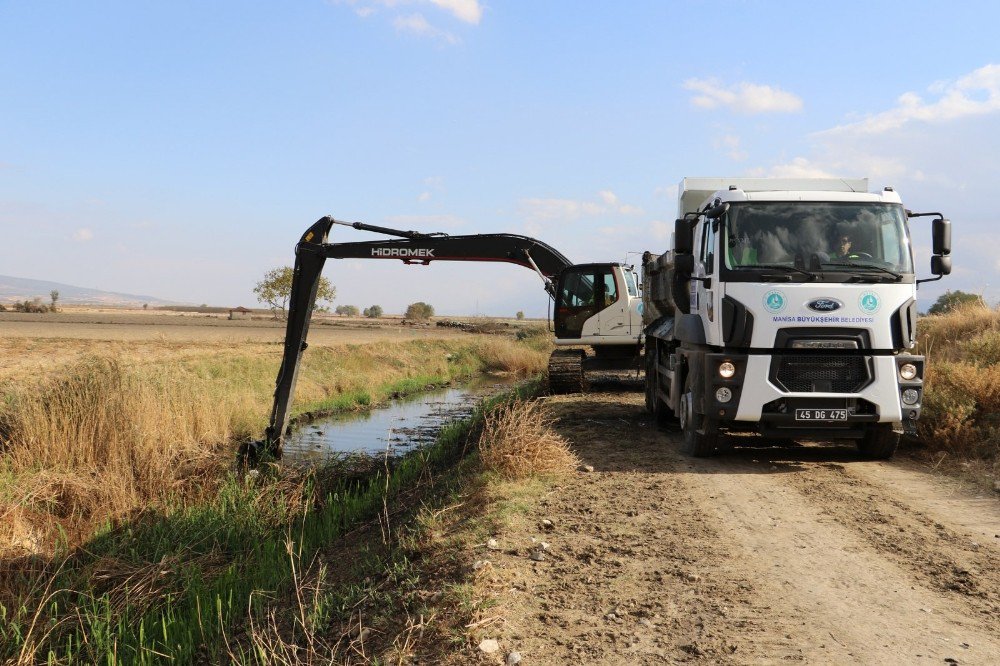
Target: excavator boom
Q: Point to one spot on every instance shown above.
(412, 247)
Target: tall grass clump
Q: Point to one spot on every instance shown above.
(961, 406)
(518, 441)
(499, 355)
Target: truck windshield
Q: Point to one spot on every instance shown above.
(817, 236)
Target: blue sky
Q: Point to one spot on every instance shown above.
(179, 149)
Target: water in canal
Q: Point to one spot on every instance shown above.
(400, 426)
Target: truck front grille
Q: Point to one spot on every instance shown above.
(820, 373)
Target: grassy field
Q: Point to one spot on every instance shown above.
(121, 511)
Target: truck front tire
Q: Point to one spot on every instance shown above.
(694, 443)
(879, 442)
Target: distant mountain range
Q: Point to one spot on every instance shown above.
(20, 289)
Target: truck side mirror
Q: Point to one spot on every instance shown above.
(940, 265)
(941, 237)
(683, 236)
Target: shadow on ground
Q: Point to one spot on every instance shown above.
(612, 431)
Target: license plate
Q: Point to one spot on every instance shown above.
(820, 414)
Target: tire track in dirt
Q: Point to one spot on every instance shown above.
(938, 557)
(758, 556)
(620, 584)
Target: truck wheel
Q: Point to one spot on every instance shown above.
(694, 443)
(650, 358)
(662, 412)
(879, 442)
(654, 403)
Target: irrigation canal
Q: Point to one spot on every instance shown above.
(401, 426)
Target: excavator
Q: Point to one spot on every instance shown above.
(597, 306)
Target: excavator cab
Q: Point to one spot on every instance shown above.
(582, 292)
(593, 302)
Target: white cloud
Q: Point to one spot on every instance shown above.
(416, 24)
(544, 210)
(469, 11)
(537, 210)
(83, 235)
(800, 167)
(666, 191)
(730, 144)
(976, 93)
(745, 97)
(424, 196)
(661, 230)
(608, 197)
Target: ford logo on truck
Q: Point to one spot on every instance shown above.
(824, 305)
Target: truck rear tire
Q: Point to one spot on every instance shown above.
(694, 443)
(655, 404)
(879, 442)
(650, 379)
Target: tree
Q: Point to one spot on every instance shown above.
(276, 288)
(54, 295)
(347, 310)
(519, 315)
(950, 300)
(419, 310)
(374, 312)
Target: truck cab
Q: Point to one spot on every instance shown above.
(800, 313)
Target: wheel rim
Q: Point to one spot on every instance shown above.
(683, 408)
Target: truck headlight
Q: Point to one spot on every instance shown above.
(910, 396)
(907, 371)
(723, 394)
(727, 369)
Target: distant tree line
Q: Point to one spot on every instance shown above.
(34, 305)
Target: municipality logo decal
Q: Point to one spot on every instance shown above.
(869, 302)
(774, 301)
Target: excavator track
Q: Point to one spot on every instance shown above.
(566, 373)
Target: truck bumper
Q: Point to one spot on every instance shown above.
(757, 398)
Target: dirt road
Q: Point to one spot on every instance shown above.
(759, 556)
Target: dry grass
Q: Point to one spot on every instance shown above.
(501, 356)
(90, 436)
(518, 442)
(961, 415)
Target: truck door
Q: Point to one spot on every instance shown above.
(632, 305)
(705, 268)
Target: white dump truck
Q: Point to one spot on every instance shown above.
(787, 307)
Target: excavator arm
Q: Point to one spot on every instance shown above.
(411, 247)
